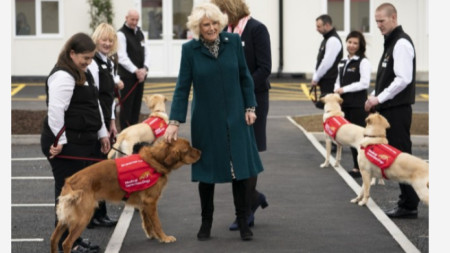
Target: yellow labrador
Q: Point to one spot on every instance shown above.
(405, 168)
(142, 132)
(346, 134)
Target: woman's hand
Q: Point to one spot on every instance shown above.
(250, 117)
(171, 133)
(54, 151)
(105, 145)
(120, 85)
(339, 91)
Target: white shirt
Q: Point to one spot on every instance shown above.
(364, 81)
(60, 91)
(124, 60)
(403, 68)
(332, 49)
(93, 67)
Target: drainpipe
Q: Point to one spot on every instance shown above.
(280, 28)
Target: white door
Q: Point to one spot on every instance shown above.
(164, 25)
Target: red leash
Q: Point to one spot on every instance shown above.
(55, 143)
(126, 96)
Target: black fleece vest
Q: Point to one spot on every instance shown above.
(106, 88)
(332, 73)
(385, 73)
(82, 118)
(135, 49)
(352, 74)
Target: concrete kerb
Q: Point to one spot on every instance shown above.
(27, 139)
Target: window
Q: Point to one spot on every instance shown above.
(349, 15)
(37, 17)
(152, 18)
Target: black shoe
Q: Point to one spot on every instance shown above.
(246, 233)
(102, 222)
(80, 249)
(250, 220)
(85, 243)
(401, 213)
(205, 231)
(355, 174)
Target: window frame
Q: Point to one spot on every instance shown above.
(38, 22)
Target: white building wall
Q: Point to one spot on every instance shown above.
(36, 56)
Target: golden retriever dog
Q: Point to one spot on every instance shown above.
(406, 168)
(348, 134)
(84, 189)
(140, 132)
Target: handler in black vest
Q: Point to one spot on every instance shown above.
(74, 121)
(134, 61)
(330, 53)
(394, 94)
(352, 84)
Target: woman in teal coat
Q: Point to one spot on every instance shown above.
(222, 112)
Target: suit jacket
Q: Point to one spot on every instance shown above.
(256, 42)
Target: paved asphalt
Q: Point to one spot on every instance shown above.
(309, 207)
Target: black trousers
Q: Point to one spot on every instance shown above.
(399, 136)
(64, 168)
(357, 116)
(130, 108)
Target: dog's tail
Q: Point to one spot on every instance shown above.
(113, 153)
(67, 202)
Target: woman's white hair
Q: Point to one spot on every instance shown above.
(201, 11)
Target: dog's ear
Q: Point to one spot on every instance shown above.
(340, 99)
(369, 120)
(172, 157)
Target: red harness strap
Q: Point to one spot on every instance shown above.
(135, 174)
(157, 124)
(332, 125)
(381, 155)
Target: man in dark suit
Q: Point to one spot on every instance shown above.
(256, 42)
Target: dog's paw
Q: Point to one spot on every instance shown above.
(355, 200)
(168, 239)
(362, 202)
(337, 164)
(325, 164)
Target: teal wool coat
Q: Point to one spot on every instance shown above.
(222, 90)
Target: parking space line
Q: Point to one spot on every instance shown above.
(28, 240)
(379, 214)
(28, 159)
(17, 89)
(32, 205)
(116, 240)
(32, 178)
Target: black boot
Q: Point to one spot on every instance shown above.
(241, 203)
(207, 204)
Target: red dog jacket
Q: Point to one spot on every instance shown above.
(157, 124)
(135, 174)
(382, 155)
(332, 125)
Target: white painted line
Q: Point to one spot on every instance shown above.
(28, 240)
(116, 240)
(32, 178)
(28, 159)
(32, 205)
(391, 227)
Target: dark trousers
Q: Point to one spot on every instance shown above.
(64, 168)
(357, 116)
(259, 127)
(130, 108)
(398, 135)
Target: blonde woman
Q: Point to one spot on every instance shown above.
(222, 114)
(102, 70)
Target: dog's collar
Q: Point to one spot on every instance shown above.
(375, 136)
